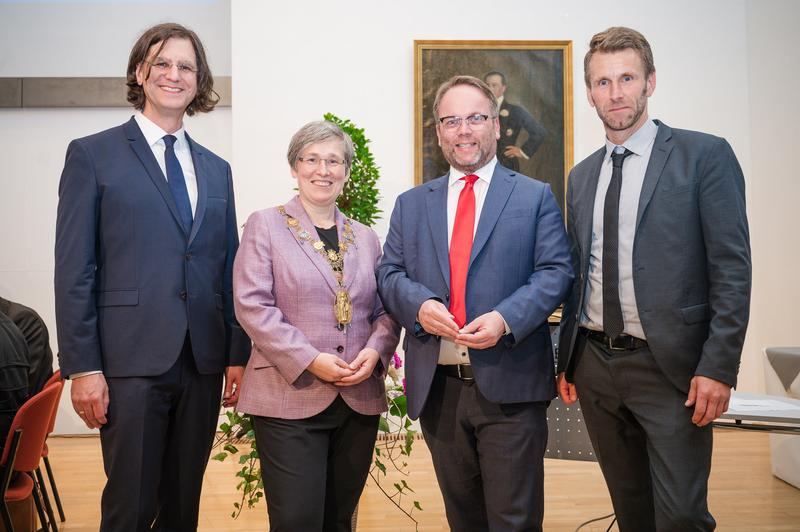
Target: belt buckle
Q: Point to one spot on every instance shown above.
(612, 347)
(460, 376)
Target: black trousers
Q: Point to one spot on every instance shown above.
(314, 469)
(156, 446)
(655, 461)
(488, 457)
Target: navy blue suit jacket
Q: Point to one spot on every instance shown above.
(519, 266)
(129, 281)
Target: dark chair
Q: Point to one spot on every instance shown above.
(45, 457)
(23, 452)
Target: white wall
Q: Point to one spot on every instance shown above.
(76, 39)
(774, 208)
(357, 61)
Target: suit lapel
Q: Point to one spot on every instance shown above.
(584, 216)
(496, 198)
(201, 174)
(437, 223)
(295, 209)
(351, 261)
(145, 154)
(655, 167)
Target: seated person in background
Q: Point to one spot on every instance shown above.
(13, 373)
(36, 336)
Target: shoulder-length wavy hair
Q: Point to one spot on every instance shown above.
(205, 99)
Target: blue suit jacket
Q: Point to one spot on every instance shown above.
(691, 256)
(519, 266)
(129, 280)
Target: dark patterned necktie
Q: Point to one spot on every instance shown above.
(613, 323)
(177, 183)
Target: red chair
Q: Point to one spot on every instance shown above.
(23, 451)
(45, 456)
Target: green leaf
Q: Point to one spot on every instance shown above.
(231, 448)
(383, 424)
(220, 456)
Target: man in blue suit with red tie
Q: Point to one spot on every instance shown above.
(474, 263)
(146, 235)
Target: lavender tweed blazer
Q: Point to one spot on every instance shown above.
(283, 295)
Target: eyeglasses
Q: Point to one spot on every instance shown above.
(454, 122)
(313, 162)
(162, 66)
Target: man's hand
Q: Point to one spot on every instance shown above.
(515, 152)
(566, 390)
(362, 366)
(482, 332)
(437, 320)
(710, 399)
(233, 382)
(329, 368)
(90, 399)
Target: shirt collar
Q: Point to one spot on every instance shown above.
(638, 142)
(153, 134)
(500, 101)
(484, 173)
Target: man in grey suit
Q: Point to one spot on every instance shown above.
(653, 330)
(474, 263)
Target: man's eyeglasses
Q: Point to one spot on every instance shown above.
(162, 66)
(454, 122)
(313, 162)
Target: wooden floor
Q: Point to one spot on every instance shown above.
(744, 496)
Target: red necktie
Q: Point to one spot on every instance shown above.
(461, 248)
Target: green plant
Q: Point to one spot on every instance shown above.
(359, 200)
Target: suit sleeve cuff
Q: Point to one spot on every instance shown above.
(84, 374)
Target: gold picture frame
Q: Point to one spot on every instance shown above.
(538, 77)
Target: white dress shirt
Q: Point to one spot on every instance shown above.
(633, 170)
(154, 136)
(449, 352)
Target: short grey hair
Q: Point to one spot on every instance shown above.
(464, 80)
(319, 131)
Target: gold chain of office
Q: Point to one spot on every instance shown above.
(342, 306)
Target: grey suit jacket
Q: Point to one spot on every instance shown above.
(691, 256)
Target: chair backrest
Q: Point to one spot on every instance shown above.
(33, 418)
(55, 378)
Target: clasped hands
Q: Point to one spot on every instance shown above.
(481, 333)
(331, 368)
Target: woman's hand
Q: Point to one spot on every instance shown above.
(362, 366)
(330, 368)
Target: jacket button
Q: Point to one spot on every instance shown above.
(183, 295)
(340, 349)
(188, 256)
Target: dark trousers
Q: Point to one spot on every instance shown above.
(488, 457)
(655, 461)
(314, 469)
(156, 446)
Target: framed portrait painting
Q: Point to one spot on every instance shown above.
(534, 79)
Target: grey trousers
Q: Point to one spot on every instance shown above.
(655, 461)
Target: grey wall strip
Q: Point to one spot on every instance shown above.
(80, 92)
(10, 92)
